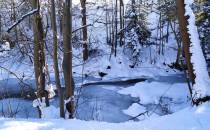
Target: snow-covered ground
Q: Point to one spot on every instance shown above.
(188, 119)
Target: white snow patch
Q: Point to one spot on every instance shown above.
(135, 110)
(51, 90)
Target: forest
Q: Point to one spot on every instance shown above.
(104, 64)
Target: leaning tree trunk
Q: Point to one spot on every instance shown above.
(183, 23)
(55, 59)
(39, 56)
(197, 70)
(67, 56)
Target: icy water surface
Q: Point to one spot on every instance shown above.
(96, 102)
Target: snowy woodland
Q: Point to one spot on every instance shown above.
(104, 64)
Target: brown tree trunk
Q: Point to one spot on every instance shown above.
(55, 59)
(67, 56)
(183, 23)
(116, 28)
(121, 22)
(39, 55)
(84, 30)
(60, 15)
(107, 22)
(0, 24)
(13, 10)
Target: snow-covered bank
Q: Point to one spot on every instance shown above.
(152, 92)
(187, 119)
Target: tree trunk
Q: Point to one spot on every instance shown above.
(39, 55)
(0, 24)
(84, 30)
(60, 15)
(107, 22)
(183, 23)
(116, 28)
(121, 22)
(67, 56)
(55, 59)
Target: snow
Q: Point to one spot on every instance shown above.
(137, 109)
(133, 109)
(51, 90)
(151, 92)
(187, 119)
(39, 103)
(201, 88)
(50, 112)
(17, 108)
(112, 88)
(6, 46)
(157, 98)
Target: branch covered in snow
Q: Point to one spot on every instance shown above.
(21, 19)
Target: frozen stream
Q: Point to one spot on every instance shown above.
(97, 103)
(107, 105)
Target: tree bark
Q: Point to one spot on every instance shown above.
(55, 59)
(183, 23)
(121, 22)
(84, 30)
(0, 24)
(39, 55)
(67, 56)
(116, 28)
